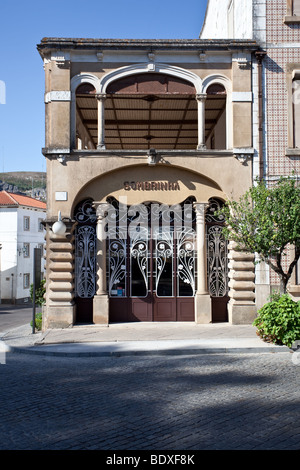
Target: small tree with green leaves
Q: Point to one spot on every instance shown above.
(266, 220)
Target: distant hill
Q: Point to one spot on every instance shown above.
(31, 183)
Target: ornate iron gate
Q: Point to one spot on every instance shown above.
(85, 261)
(217, 262)
(151, 272)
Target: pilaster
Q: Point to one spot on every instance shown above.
(241, 307)
(59, 310)
(202, 299)
(101, 300)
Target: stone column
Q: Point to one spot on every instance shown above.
(201, 120)
(59, 310)
(202, 298)
(101, 121)
(241, 306)
(101, 302)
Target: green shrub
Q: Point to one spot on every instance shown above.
(278, 321)
(38, 321)
(39, 300)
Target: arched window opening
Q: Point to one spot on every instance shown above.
(86, 117)
(215, 117)
(151, 110)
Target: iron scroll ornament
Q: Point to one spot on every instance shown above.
(85, 250)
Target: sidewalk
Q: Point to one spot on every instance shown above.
(139, 339)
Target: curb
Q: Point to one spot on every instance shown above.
(57, 351)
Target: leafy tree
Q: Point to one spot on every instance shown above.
(265, 221)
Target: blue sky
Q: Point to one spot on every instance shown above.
(24, 23)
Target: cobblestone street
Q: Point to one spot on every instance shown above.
(210, 401)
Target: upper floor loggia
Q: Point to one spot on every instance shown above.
(132, 96)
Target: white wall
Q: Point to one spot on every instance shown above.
(216, 24)
(12, 237)
(8, 240)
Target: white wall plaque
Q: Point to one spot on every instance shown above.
(61, 196)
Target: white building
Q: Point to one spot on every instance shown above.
(21, 231)
(275, 25)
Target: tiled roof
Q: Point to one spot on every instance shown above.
(12, 199)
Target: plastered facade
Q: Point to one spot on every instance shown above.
(77, 174)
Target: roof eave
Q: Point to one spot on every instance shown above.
(49, 44)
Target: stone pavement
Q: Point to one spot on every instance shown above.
(123, 339)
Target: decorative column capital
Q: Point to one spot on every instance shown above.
(200, 208)
(201, 97)
(102, 209)
(101, 96)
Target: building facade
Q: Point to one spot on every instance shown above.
(21, 230)
(275, 25)
(145, 139)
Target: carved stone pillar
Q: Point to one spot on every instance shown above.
(59, 310)
(241, 306)
(201, 98)
(101, 302)
(202, 298)
(101, 121)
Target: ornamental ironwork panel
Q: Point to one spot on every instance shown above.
(217, 260)
(116, 267)
(164, 258)
(186, 245)
(85, 250)
(85, 262)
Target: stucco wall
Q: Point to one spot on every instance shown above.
(216, 24)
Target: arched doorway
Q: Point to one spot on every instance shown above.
(151, 272)
(152, 268)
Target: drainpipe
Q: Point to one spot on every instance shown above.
(260, 55)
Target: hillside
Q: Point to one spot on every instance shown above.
(31, 183)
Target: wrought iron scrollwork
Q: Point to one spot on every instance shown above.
(85, 250)
(217, 263)
(117, 267)
(164, 260)
(85, 262)
(212, 215)
(186, 262)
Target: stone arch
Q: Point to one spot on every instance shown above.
(76, 81)
(118, 182)
(136, 69)
(218, 79)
